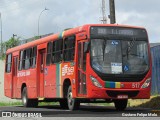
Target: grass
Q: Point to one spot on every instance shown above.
(47, 103)
(20, 103)
(10, 103)
(102, 104)
(153, 103)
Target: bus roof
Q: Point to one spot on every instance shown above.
(62, 34)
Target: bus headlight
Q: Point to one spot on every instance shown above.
(95, 82)
(146, 83)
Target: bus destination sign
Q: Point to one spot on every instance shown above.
(121, 31)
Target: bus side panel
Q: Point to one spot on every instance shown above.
(50, 81)
(67, 71)
(8, 85)
(21, 79)
(27, 77)
(31, 80)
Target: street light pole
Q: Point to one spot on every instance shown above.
(1, 34)
(39, 18)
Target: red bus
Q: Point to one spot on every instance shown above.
(85, 64)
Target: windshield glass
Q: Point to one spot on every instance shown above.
(124, 56)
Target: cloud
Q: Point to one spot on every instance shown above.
(21, 17)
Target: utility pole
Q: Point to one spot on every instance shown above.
(104, 18)
(39, 19)
(112, 15)
(14, 35)
(1, 35)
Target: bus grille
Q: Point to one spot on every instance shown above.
(116, 93)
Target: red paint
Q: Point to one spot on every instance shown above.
(44, 85)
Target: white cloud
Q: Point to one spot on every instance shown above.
(20, 17)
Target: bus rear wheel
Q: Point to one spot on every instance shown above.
(26, 101)
(121, 104)
(73, 104)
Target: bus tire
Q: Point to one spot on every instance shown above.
(26, 101)
(73, 104)
(121, 105)
(63, 103)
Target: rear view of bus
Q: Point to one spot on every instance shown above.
(120, 65)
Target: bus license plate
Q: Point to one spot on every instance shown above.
(122, 96)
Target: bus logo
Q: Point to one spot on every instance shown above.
(66, 70)
(23, 74)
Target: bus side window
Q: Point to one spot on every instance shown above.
(84, 58)
(26, 59)
(34, 56)
(53, 52)
(57, 51)
(49, 51)
(23, 59)
(20, 60)
(8, 63)
(69, 48)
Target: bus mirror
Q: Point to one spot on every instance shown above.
(86, 47)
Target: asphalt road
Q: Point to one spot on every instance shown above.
(84, 111)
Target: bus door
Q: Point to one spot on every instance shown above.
(14, 80)
(82, 89)
(41, 65)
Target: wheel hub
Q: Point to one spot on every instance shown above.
(24, 100)
(70, 100)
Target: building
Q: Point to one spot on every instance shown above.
(155, 52)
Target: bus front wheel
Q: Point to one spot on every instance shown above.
(73, 104)
(26, 101)
(121, 104)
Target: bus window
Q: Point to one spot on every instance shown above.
(57, 51)
(84, 58)
(27, 57)
(34, 56)
(9, 63)
(69, 48)
(20, 60)
(49, 51)
(79, 55)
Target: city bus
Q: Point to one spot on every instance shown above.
(90, 63)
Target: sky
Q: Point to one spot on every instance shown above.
(20, 17)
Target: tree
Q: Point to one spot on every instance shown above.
(12, 42)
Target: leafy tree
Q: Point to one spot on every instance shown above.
(12, 42)
(36, 37)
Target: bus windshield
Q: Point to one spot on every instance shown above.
(119, 56)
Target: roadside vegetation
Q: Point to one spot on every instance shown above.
(10, 103)
(12, 42)
(20, 103)
(153, 102)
